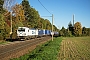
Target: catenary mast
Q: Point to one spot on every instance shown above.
(73, 20)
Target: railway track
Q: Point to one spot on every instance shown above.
(12, 50)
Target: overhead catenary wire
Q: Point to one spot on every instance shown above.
(45, 7)
(49, 16)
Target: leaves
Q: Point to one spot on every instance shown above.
(77, 29)
(70, 27)
(85, 31)
(1, 6)
(2, 22)
(18, 12)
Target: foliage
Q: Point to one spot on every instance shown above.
(2, 21)
(33, 18)
(65, 32)
(22, 15)
(48, 24)
(6, 31)
(55, 28)
(47, 51)
(4, 28)
(77, 29)
(70, 27)
(62, 31)
(31, 15)
(26, 7)
(85, 31)
(69, 34)
(1, 6)
(41, 23)
(18, 12)
(88, 33)
(1, 35)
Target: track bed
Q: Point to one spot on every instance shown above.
(16, 49)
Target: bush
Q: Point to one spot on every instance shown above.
(1, 37)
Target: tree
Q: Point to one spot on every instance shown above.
(55, 28)
(62, 31)
(77, 29)
(41, 23)
(4, 28)
(18, 12)
(88, 29)
(8, 4)
(70, 27)
(26, 7)
(2, 23)
(47, 24)
(31, 15)
(33, 18)
(84, 31)
(1, 6)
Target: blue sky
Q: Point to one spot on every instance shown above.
(63, 11)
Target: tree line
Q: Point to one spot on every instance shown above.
(74, 30)
(22, 15)
(25, 15)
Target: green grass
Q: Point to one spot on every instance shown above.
(47, 51)
(3, 42)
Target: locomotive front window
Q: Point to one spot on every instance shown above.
(21, 29)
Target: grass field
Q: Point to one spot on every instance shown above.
(47, 51)
(75, 48)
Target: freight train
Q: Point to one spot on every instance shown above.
(28, 33)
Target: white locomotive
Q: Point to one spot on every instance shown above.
(26, 33)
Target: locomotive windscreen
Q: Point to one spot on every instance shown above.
(21, 29)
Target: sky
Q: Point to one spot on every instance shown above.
(63, 11)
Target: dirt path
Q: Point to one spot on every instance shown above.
(72, 49)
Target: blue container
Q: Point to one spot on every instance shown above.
(47, 32)
(41, 32)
